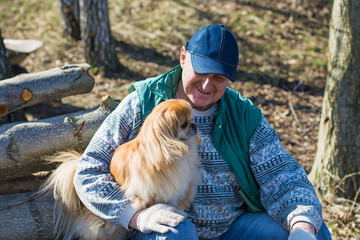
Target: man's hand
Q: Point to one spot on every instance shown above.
(158, 218)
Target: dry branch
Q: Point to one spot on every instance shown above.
(48, 86)
(25, 146)
(25, 217)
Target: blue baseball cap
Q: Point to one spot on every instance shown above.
(214, 49)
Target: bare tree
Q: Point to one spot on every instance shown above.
(96, 35)
(337, 165)
(71, 18)
(5, 67)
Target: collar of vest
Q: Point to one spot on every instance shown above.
(163, 86)
(154, 90)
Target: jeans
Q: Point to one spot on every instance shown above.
(249, 226)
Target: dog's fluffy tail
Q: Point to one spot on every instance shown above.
(60, 184)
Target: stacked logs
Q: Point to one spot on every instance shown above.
(24, 146)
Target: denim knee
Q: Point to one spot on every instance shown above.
(184, 231)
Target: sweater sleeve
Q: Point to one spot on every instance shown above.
(93, 181)
(285, 191)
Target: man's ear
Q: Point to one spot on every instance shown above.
(182, 56)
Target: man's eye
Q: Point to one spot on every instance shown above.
(220, 78)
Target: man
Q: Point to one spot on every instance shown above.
(251, 188)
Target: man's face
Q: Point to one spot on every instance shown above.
(200, 90)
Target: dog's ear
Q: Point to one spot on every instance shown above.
(161, 129)
(176, 118)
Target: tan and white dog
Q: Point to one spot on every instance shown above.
(160, 165)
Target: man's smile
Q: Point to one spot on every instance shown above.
(201, 91)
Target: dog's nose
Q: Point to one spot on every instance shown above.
(193, 129)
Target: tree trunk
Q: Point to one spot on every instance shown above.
(47, 86)
(96, 35)
(337, 165)
(24, 146)
(71, 18)
(5, 67)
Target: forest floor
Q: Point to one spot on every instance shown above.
(283, 60)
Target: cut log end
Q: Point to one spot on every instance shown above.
(105, 98)
(51, 85)
(108, 102)
(26, 95)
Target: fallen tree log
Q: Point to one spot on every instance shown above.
(48, 86)
(24, 216)
(25, 146)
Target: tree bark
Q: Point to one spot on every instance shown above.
(337, 164)
(5, 67)
(97, 41)
(71, 18)
(25, 217)
(48, 86)
(25, 146)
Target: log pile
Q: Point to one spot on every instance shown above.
(24, 146)
(49, 86)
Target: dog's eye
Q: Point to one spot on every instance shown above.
(184, 125)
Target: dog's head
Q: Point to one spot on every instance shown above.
(168, 127)
(171, 119)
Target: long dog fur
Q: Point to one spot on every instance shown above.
(160, 165)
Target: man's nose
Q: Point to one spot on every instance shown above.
(206, 82)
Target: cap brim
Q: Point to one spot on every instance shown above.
(204, 65)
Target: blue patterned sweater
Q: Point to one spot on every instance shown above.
(285, 190)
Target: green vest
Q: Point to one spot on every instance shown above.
(236, 120)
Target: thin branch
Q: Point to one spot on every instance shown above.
(354, 202)
(17, 204)
(344, 178)
(297, 95)
(293, 111)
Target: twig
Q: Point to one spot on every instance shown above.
(286, 88)
(335, 178)
(338, 186)
(345, 200)
(18, 204)
(294, 113)
(344, 178)
(294, 92)
(79, 129)
(354, 202)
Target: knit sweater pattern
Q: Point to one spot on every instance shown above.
(286, 193)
